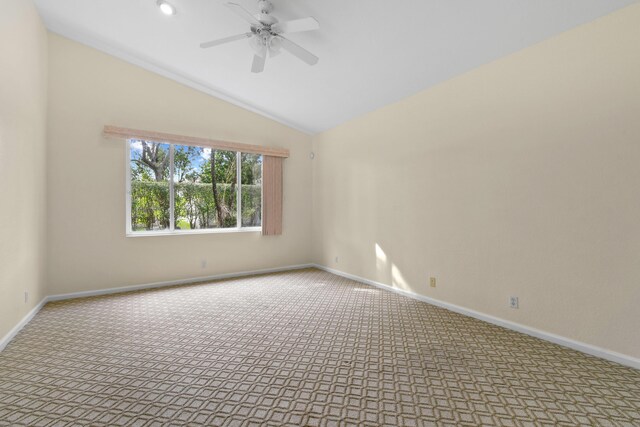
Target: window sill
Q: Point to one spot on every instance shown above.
(193, 232)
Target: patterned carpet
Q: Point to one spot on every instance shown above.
(297, 348)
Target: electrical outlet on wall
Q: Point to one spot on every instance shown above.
(432, 282)
(513, 302)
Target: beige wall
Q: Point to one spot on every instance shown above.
(23, 91)
(519, 178)
(87, 246)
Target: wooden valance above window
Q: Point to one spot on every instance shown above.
(145, 135)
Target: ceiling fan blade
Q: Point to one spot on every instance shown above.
(298, 51)
(295, 26)
(213, 43)
(258, 63)
(244, 14)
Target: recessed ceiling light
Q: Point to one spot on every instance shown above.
(166, 8)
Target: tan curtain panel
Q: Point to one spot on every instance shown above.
(272, 195)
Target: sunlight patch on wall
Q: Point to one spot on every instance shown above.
(397, 280)
(381, 259)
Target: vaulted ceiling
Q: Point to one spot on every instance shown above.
(371, 52)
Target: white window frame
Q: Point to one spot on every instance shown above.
(172, 231)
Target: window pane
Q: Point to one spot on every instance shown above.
(205, 188)
(193, 199)
(251, 190)
(149, 186)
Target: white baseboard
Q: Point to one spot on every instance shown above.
(623, 359)
(13, 332)
(190, 280)
(26, 319)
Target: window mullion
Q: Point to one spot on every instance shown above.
(239, 189)
(129, 226)
(171, 195)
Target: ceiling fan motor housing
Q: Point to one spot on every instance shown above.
(265, 6)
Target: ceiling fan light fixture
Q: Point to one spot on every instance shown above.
(166, 8)
(256, 44)
(275, 43)
(274, 46)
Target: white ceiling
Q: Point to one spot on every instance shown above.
(371, 52)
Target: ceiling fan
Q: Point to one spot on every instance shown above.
(266, 35)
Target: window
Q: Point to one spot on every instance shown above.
(175, 189)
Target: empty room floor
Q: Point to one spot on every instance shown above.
(303, 347)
